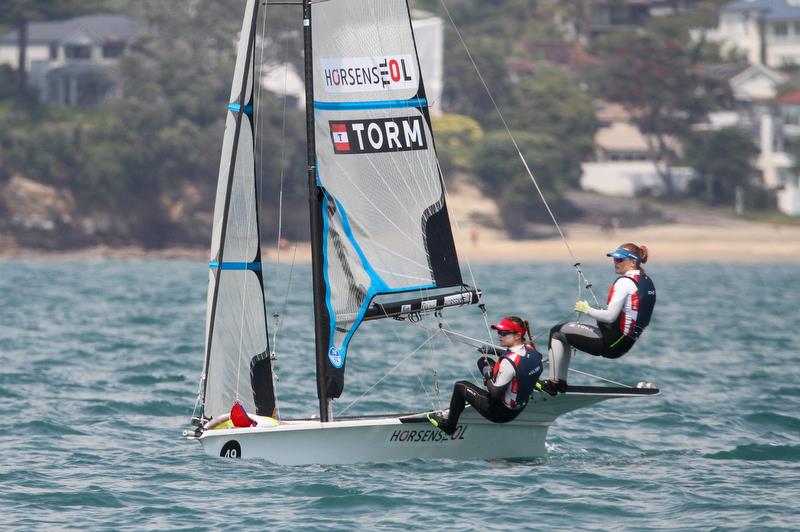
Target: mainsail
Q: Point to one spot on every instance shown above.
(384, 223)
(237, 366)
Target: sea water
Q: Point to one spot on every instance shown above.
(100, 362)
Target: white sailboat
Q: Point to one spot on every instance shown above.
(382, 247)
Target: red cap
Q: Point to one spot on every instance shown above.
(508, 325)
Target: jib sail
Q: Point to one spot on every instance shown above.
(237, 365)
(385, 227)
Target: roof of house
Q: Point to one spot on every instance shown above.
(100, 27)
(791, 98)
(625, 137)
(772, 10)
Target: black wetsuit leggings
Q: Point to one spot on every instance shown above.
(598, 341)
(466, 392)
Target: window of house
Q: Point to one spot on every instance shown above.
(53, 51)
(77, 51)
(113, 49)
(780, 29)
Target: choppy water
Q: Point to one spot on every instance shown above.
(100, 361)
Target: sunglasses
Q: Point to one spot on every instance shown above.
(619, 260)
(504, 333)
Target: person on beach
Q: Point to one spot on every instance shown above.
(509, 381)
(630, 304)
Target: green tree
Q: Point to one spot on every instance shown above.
(504, 178)
(724, 162)
(655, 75)
(456, 137)
(551, 102)
(19, 13)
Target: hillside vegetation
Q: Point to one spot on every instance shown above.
(142, 168)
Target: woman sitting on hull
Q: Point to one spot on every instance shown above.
(630, 305)
(509, 381)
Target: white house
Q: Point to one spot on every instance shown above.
(71, 61)
(622, 165)
(765, 31)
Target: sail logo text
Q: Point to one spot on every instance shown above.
(363, 74)
(402, 133)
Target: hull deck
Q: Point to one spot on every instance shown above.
(394, 437)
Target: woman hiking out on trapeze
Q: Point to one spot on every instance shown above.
(629, 308)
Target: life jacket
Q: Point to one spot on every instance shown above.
(638, 308)
(527, 369)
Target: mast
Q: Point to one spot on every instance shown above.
(315, 195)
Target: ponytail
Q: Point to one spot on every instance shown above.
(524, 324)
(640, 251)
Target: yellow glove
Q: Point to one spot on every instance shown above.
(582, 306)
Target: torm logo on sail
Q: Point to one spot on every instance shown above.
(361, 74)
(401, 133)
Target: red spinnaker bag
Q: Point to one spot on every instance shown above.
(239, 417)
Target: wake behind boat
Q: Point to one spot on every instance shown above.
(382, 247)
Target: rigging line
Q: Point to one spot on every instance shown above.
(514, 141)
(476, 378)
(466, 340)
(283, 167)
(374, 206)
(278, 321)
(466, 258)
(389, 372)
(601, 378)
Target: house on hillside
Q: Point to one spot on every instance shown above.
(767, 32)
(71, 62)
(609, 15)
(767, 119)
(622, 165)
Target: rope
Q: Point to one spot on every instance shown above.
(516, 147)
(480, 304)
(389, 372)
(600, 378)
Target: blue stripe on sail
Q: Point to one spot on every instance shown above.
(234, 265)
(373, 104)
(248, 109)
(377, 284)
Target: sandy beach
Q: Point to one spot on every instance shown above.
(730, 242)
(694, 235)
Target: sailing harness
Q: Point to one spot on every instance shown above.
(527, 369)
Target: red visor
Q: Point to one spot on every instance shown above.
(508, 325)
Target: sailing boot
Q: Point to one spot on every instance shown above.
(551, 387)
(439, 421)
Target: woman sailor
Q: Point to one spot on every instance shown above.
(629, 308)
(509, 381)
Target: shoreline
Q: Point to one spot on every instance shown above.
(734, 241)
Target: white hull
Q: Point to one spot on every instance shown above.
(400, 437)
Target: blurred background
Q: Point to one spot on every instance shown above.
(672, 114)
